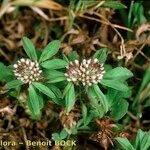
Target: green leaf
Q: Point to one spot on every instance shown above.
(96, 110)
(114, 95)
(139, 138)
(138, 12)
(59, 136)
(50, 50)
(34, 103)
(145, 144)
(53, 73)
(55, 90)
(53, 76)
(145, 81)
(54, 64)
(119, 109)
(57, 79)
(97, 100)
(115, 85)
(63, 134)
(41, 101)
(66, 89)
(114, 5)
(13, 84)
(44, 89)
(124, 143)
(65, 58)
(4, 72)
(101, 97)
(70, 98)
(101, 55)
(15, 92)
(88, 119)
(29, 48)
(56, 137)
(118, 73)
(73, 55)
(84, 112)
(58, 100)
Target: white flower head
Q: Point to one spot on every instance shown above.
(87, 72)
(27, 71)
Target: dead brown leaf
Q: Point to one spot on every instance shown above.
(48, 4)
(142, 34)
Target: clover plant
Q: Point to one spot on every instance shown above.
(86, 88)
(141, 142)
(30, 73)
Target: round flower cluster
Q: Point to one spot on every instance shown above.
(27, 70)
(87, 72)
